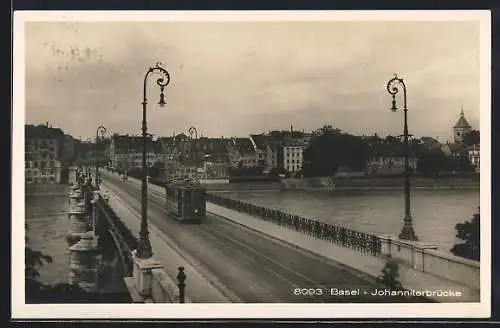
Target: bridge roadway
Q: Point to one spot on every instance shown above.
(254, 267)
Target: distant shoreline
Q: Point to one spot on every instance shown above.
(349, 184)
(389, 188)
(325, 183)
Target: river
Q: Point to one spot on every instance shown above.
(435, 212)
(46, 215)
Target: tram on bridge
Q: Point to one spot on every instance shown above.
(186, 201)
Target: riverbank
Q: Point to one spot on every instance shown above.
(348, 184)
(388, 183)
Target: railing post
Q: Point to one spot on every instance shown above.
(95, 212)
(181, 278)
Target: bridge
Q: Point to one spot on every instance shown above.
(245, 253)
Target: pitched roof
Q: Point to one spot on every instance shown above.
(243, 145)
(260, 140)
(42, 132)
(430, 142)
(213, 145)
(126, 142)
(462, 122)
(455, 147)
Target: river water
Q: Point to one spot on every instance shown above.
(435, 212)
(46, 215)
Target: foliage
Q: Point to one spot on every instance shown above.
(389, 276)
(33, 260)
(36, 290)
(330, 149)
(461, 164)
(469, 232)
(432, 161)
(471, 138)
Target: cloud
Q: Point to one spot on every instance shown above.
(238, 78)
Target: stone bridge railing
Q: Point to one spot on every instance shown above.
(91, 220)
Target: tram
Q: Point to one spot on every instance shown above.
(186, 201)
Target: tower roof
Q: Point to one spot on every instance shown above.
(462, 122)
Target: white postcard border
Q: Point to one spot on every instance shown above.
(257, 311)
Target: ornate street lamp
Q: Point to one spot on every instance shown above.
(144, 249)
(407, 233)
(102, 130)
(192, 130)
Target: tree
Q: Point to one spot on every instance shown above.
(432, 161)
(470, 234)
(33, 260)
(471, 138)
(330, 149)
(389, 276)
(462, 164)
(37, 291)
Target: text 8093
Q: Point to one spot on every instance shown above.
(308, 291)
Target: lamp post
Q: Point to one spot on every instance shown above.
(407, 233)
(192, 130)
(101, 129)
(144, 249)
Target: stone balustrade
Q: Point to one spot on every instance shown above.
(151, 284)
(425, 257)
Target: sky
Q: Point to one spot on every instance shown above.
(238, 78)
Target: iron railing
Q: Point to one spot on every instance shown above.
(359, 241)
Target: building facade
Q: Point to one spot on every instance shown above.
(293, 156)
(242, 153)
(389, 165)
(125, 152)
(474, 157)
(44, 151)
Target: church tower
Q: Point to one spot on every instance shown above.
(461, 128)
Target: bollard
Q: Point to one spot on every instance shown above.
(181, 278)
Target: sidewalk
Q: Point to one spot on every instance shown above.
(198, 288)
(371, 265)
